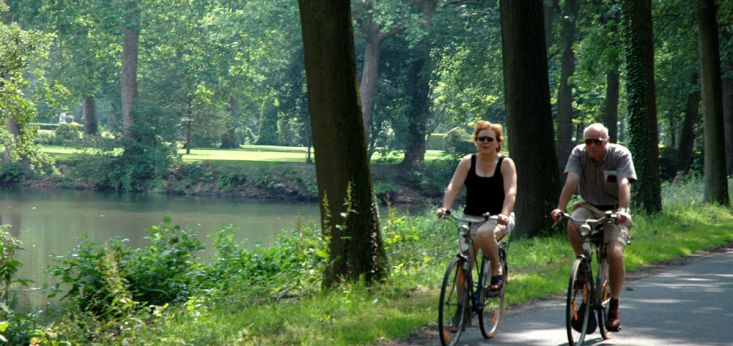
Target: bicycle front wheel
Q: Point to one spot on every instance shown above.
(454, 310)
(492, 307)
(578, 304)
(603, 296)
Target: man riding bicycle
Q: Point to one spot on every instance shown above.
(604, 172)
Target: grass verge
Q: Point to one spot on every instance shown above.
(407, 301)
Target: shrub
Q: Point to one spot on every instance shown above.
(46, 137)
(99, 275)
(385, 191)
(436, 141)
(11, 174)
(69, 134)
(458, 142)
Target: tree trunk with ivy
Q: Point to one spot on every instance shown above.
(349, 215)
(529, 119)
(565, 91)
(686, 144)
(641, 103)
(716, 180)
(419, 91)
(610, 107)
(728, 122)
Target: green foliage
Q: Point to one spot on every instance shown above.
(108, 281)
(86, 275)
(10, 174)
(293, 267)
(433, 179)
(23, 86)
(436, 141)
(9, 265)
(458, 142)
(385, 191)
(68, 134)
(140, 167)
(46, 137)
(15, 328)
(160, 273)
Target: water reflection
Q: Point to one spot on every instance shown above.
(49, 222)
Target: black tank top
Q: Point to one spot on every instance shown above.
(484, 194)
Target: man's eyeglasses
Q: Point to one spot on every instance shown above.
(596, 141)
(485, 139)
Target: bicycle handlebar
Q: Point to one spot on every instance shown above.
(608, 216)
(470, 218)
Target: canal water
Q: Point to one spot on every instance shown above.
(49, 223)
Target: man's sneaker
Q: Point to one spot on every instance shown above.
(613, 324)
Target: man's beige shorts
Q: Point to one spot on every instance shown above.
(611, 231)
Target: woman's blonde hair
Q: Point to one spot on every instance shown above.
(485, 125)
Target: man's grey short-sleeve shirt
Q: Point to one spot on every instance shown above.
(599, 180)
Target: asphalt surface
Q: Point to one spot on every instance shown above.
(690, 304)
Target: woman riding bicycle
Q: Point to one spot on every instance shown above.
(491, 186)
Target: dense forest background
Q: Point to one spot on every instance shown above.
(149, 76)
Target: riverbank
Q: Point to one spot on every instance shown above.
(260, 176)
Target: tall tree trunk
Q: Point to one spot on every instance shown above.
(374, 35)
(641, 103)
(565, 91)
(369, 74)
(610, 107)
(419, 89)
(229, 137)
(728, 122)
(131, 42)
(527, 94)
(349, 215)
(716, 182)
(613, 85)
(267, 132)
(550, 7)
(687, 133)
(89, 110)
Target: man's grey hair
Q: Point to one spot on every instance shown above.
(598, 127)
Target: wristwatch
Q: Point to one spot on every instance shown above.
(624, 210)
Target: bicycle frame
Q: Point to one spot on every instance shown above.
(470, 290)
(591, 231)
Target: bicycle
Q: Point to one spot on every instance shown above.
(460, 296)
(593, 296)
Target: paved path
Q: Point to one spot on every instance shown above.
(687, 305)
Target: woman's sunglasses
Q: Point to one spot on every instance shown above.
(485, 139)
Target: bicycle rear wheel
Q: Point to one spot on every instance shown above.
(578, 304)
(454, 309)
(603, 296)
(492, 307)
